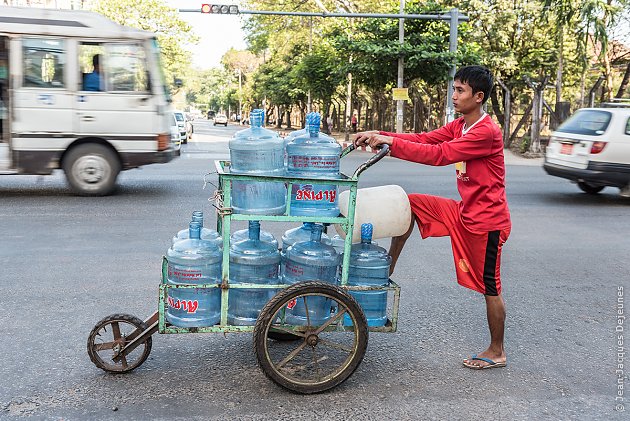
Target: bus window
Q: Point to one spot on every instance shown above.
(44, 60)
(126, 68)
(91, 63)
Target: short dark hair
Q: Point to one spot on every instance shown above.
(479, 78)
(96, 60)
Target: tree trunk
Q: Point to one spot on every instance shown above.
(560, 64)
(496, 107)
(624, 83)
(278, 117)
(287, 112)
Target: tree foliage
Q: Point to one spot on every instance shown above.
(173, 34)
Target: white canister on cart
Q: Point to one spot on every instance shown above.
(386, 207)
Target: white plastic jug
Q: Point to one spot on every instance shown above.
(387, 208)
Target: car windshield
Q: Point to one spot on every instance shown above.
(179, 117)
(588, 122)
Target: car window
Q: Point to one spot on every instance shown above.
(628, 126)
(588, 122)
(179, 117)
(44, 61)
(126, 67)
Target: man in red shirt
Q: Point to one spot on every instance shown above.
(479, 224)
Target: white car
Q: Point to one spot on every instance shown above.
(220, 119)
(592, 149)
(176, 139)
(181, 124)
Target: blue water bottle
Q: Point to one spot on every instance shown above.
(253, 262)
(206, 233)
(295, 235)
(193, 261)
(243, 234)
(289, 138)
(310, 261)
(369, 266)
(257, 151)
(314, 155)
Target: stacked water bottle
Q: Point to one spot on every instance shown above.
(195, 256)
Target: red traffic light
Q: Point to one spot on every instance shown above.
(205, 8)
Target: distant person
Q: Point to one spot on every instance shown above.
(329, 123)
(94, 81)
(354, 122)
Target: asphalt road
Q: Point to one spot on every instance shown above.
(69, 261)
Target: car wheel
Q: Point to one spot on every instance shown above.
(589, 188)
(185, 141)
(91, 169)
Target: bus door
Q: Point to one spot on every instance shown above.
(114, 99)
(42, 104)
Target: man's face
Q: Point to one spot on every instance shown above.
(464, 101)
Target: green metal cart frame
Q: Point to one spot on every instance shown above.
(131, 341)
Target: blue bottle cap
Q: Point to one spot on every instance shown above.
(366, 233)
(313, 124)
(256, 118)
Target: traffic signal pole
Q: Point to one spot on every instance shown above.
(453, 16)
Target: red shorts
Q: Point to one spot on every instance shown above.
(477, 255)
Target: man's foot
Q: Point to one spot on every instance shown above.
(484, 361)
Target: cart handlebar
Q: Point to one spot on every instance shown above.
(384, 150)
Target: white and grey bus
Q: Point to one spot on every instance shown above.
(81, 93)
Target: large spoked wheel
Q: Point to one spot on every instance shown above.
(325, 354)
(110, 336)
(91, 169)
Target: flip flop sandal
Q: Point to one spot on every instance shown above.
(491, 363)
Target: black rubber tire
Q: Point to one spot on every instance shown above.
(111, 366)
(91, 169)
(589, 188)
(185, 141)
(268, 314)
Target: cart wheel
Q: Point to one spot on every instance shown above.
(110, 335)
(325, 355)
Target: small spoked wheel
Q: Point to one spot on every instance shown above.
(110, 336)
(331, 332)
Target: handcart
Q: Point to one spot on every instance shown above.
(307, 358)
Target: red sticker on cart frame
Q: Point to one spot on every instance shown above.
(291, 304)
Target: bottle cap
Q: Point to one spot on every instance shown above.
(256, 118)
(366, 233)
(313, 123)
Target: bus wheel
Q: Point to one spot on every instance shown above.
(91, 169)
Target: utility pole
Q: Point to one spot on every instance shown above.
(240, 94)
(452, 48)
(400, 104)
(310, 50)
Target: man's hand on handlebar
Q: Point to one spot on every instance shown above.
(372, 138)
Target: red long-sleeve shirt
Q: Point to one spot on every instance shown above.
(480, 167)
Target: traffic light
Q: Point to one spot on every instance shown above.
(220, 9)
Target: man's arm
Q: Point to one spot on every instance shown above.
(434, 137)
(474, 144)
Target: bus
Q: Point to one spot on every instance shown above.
(80, 93)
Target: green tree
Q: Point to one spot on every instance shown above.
(173, 34)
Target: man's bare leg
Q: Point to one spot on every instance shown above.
(397, 245)
(495, 308)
